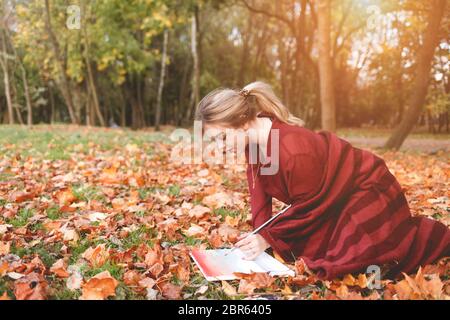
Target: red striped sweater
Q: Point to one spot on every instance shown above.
(348, 211)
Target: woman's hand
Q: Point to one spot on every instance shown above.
(252, 245)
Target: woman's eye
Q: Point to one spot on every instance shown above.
(220, 137)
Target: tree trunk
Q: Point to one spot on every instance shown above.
(6, 80)
(242, 71)
(161, 81)
(24, 77)
(422, 77)
(52, 104)
(195, 95)
(6, 83)
(59, 62)
(182, 94)
(89, 73)
(327, 99)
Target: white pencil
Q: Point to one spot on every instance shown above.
(263, 225)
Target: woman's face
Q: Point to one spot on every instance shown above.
(228, 138)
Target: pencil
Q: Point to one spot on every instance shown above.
(262, 226)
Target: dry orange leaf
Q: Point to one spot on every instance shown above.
(99, 287)
(21, 196)
(33, 286)
(59, 268)
(171, 291)
(65, 197)
(96, 256)
(4, 247)
(4, 296)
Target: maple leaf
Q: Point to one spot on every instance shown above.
(4, 247)
(132, 278)
(111, 176)
(214, 239)
(199, 211)
(153, 256)
(194, 231)
(96, 256)
(21, 196)
(156, 269)
(228, 233)
(229, 289)
(65, 197)
(33, 286)
(147, 283)
(59, 268)
(4, 296)
(74, 281)
(255, 280)
(99, 287)
(218, 200)
(170, 290)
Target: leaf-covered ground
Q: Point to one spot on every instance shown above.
(102, 214)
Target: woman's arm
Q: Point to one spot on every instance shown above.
(260, 201)
(261, 209)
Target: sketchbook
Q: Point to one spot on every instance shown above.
(216, 265)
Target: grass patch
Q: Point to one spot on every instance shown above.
(48, 253)
(138, 236)
(53, 213)
(78, 249)
(224, 212)
(86, 193)
(21, 218)
(174, 190)
(115, 270)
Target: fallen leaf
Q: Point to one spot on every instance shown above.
(99, 287)
(4, 247)
(171, 291)
(96, 256)
(33, 286)
(59, 268)
(228, 289)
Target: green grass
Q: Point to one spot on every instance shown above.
(21, 218)
(174, 190)
(115, 270)
(138, 236)
(53, 213)
(78, 249)
(86, 193)
(57, 142)
(145, 193)
(48, 253)
(5, 287)
(223, 212)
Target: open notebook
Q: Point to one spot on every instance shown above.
(216, 265)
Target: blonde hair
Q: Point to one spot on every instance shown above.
(235, 108)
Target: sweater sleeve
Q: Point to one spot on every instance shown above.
(260, 201)
(301, 174)
(261, 209)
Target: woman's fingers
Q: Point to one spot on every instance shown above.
(247, 247)
(251, 255)
(243, 241)
(242, 236)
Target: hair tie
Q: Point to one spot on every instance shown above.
(245, 93)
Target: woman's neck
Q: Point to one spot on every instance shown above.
(262, 127)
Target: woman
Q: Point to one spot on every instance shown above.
(348, 211)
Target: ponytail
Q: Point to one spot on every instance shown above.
(235, 108)
(267, 102)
